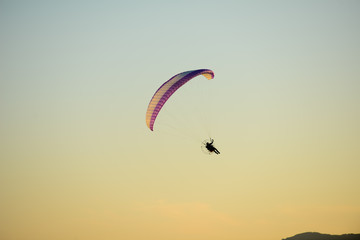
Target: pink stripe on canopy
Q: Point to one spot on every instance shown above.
(167, 89)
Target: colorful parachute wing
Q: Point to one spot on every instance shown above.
(167, 89)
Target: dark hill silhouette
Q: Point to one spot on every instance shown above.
(320, 236)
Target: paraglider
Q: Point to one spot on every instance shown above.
(169, 88)
(210, 147)
(207, 146)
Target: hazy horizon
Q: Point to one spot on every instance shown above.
(78, 162)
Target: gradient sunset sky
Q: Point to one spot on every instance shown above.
(78, 162)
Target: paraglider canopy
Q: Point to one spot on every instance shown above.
(167, 89)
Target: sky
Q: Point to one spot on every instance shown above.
(77, 160)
